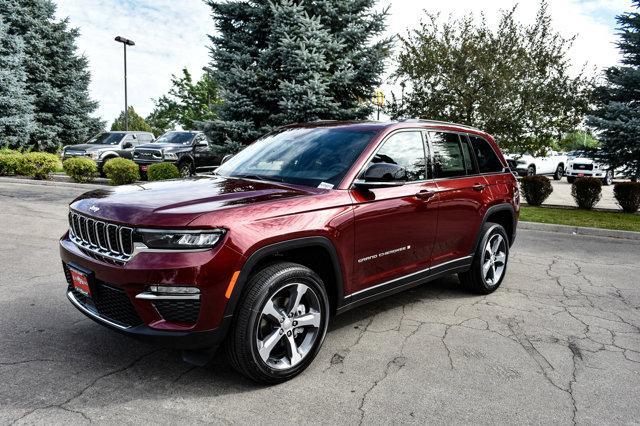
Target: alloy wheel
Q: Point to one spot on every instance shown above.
(288, 326)
(494, 259)
(185, 170)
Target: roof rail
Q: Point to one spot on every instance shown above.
(422, 120)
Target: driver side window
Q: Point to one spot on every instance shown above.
(405, 149)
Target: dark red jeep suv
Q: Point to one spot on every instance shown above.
(307, 222)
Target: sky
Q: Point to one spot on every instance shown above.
(172, 34)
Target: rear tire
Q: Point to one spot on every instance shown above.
(489, 264)
(267, 346)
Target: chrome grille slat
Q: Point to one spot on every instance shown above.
(108, 240)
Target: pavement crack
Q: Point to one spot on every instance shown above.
(392, 366)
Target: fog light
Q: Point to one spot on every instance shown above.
(165, 289)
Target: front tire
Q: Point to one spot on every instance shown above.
(571, 179)
(280, 323)
(531, 170)
(559, 172)
(608, 178)
(185, 169)
(489, 262)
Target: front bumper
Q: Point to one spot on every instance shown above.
(586, 173)
(114, 288)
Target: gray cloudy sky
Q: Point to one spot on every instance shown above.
(171, 34)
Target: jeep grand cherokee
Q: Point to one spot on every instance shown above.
(307, 222)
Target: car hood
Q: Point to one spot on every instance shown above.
(178, 202)
(89, 147)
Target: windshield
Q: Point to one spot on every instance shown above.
(312, 157)
(107, 138)
(183, 138)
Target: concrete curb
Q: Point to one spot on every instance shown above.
(578, 230)
(87, 186)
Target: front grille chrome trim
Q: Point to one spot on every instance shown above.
(93, 314)
(93, 235)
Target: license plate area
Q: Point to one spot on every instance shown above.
(144, 168)
(580, 174)
(80, 281)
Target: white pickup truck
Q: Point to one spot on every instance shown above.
(528, 165)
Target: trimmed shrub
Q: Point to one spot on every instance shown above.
(586, 191)
(80, 169)
(628, 196)
(121, 171)
(39, 165)
(11, 162)
(536, 189)
(163, 171)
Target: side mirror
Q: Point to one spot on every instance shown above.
(127, 145)
(382, 175)
(226, 158)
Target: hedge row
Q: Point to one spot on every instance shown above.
(40, 165)
(586, 192)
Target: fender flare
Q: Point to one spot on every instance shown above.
(108, 155)
(494, 209)
(281, 246)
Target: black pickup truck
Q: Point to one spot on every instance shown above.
(188, 150)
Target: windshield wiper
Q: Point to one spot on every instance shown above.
(258, 177)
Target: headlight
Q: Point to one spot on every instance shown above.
(522, 161)
(170, 156)
(94, 155)
(181, 239)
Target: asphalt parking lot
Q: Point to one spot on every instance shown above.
(559, 342)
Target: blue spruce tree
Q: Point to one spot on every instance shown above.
(286, 61)
(617, 117)
(16, 109)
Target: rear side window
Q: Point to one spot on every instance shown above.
(469, 161)
(405, 149)
(448, 158)
(488, 161)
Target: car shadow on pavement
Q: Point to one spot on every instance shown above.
(89, 368)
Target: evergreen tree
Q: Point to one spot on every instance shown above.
(617, 116)
(135, 122)
(512, 81)
(16, 109)
(284, 61)
(187, 104)
(57, 77)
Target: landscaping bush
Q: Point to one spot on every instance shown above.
(628, 196)
(163, 171)
(586, 191)
(536, 189)
(121, 171)
(10, 162)
(39, 165)
(80, 169)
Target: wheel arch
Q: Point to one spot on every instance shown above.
(317, 253)
(503, 214)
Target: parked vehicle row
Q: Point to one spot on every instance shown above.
(188, 150)
(573, 165)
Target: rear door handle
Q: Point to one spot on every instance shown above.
(479, 187)
(425, 194)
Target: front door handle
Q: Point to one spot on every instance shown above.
(425, 194)
(479, 187)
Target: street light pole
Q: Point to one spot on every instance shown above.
(125, 42)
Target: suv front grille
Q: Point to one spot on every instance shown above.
(147, 154)
(104, 239)
(108, 302)
(580, 166)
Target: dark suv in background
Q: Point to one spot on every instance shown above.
(107, 145)
(188, 150)
(309, 221)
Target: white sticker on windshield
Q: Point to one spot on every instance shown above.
(325, 185)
